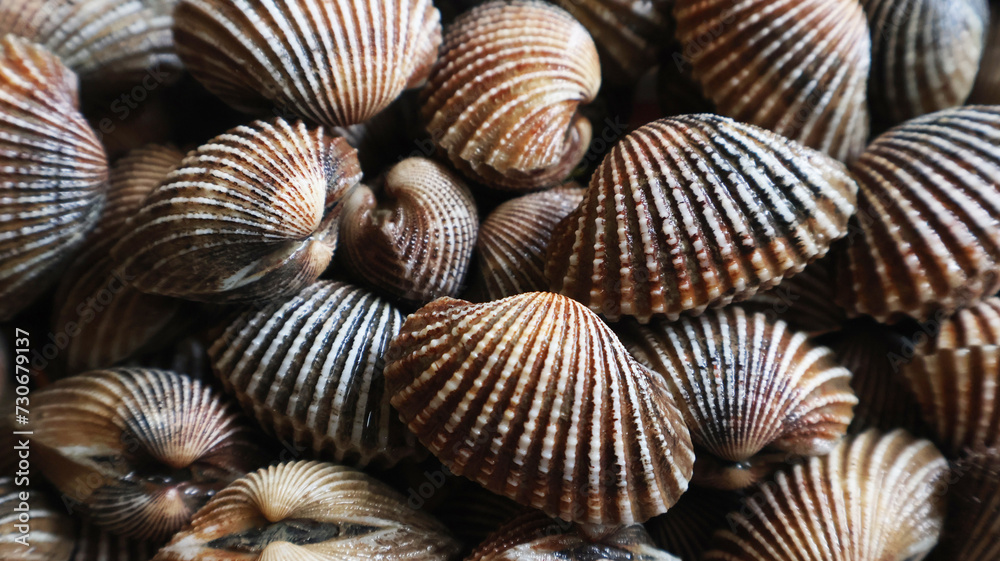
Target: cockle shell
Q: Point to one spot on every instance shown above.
(513, 239)
(52, 172)
(796, 67)
(48, 534)
(503, 100)
(251, 215)
(303, 56)
(972, 528)
(874, 498)
(138, 450)
(686, 529)
(417, 242)
(805, 301)
(693, 211)
(108, 43)
(977, 325)
(309, 511)
(746, 387)
(103, 317)
(926, 238)
(535, 398)
(537, 537)
(310, 370)
(925, 54)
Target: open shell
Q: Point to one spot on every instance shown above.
(697, 210)
(48, 533)
(874, 498)
(796, 67)
(926, 238)
(746, 386)
(972, 528)
(416, 243)
(302, 56)
(502, 102)
(535, 398)
(138, 451)
(251, 215)
(309, 511)
(310, 370)
(53, 172)
(513, 239)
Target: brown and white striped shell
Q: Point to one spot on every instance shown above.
(32, 528)
(309, 369)
(138, 451)
(535, 398)
(874, 498)
(976, 325)
(52, 172)
(108, 43)
(104, 317)
(972, 528)
(309, 511)
(796, 67)
(926, 238)
(694, 211)
(537, 537)
(686, 529)
(251, 215)
(806, 301)
(513, 239)
(747, 388)
(305, 56)
(413, 240)
(503, 100)
(925, 55)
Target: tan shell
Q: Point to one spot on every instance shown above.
(138, 451)
(925, 55)
(415, 244)
(49, 535)
(108, 43)
(972, 528)
(796, 67)
(52, 172)
(103, 317)
(874, 498)
(805, 301)
(502, 101)
(687, 212)
(302, 56)
(686, 529)
(537, 537)
(250, 215)
(533, 397)
(96, 544)
(513, 239)
(746, 386)
(310, 370)
(926, 238)
(309, 511)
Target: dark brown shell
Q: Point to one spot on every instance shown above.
(686, 529)
(471, 512)
(972, 528)
(926, 238)
(986, 90)
(694, 211)
(805, 301)
(535, 398)
(96, 544)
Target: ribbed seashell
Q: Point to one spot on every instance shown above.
(503, 100)
(925, 55)
(417, 242)
(986, 90)
(972, 528)
(796, 67)
(746, 387)
(310, 370)
(805, 301)
(535, 398)
(874, 498)
(697, 210)
(138, 451)
(302, 56)
(53, 172)
(926, 238)
(104, 318)
(686, 529)
(309, 510)
(47, 532)
(108, 43)
(96, 544)
(513, 239)
(251, 215)
(977, 325)
(540, 538)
